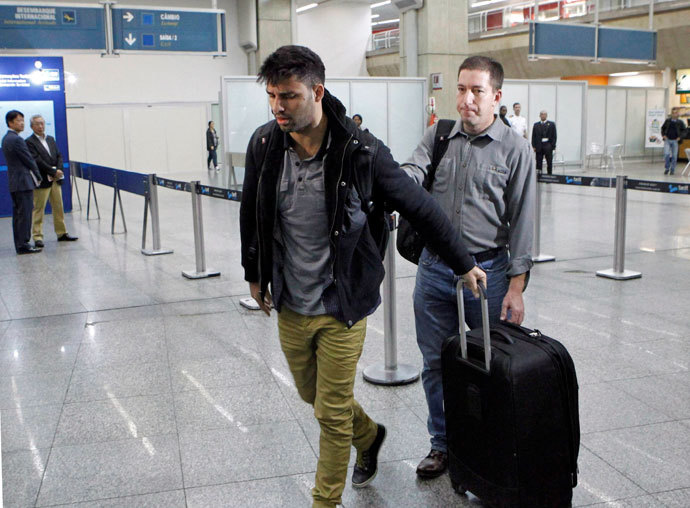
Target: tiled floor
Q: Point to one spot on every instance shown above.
(123, 384)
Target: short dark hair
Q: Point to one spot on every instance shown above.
(516, 104)
(293, 61)
(484, 63)
(209, 123)
(11, 115)
(358, 116)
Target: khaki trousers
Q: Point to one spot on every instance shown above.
(322, 354)
(41, 197)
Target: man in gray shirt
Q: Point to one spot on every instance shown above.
(485, 183)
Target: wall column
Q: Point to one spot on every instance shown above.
(275, 27)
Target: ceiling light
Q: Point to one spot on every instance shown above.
(380, 4)
(306, 7)
(624, 74)
(374, 16)
(385, 22)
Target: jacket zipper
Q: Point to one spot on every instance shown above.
(335, 208)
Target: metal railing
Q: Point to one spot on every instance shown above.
(384, 40)
(511, 14)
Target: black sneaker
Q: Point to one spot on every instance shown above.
(367, 461)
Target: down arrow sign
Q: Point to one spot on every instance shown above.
(130, 40)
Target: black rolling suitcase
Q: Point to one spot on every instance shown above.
(511, 411)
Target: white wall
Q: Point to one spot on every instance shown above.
(338, 32)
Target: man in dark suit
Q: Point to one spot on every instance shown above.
(23, 177)
(49, 160)
(544, 141)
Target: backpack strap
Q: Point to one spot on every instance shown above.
(440, 146)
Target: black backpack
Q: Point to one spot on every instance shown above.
(410, 243)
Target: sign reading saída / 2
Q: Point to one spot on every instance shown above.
(165, 30)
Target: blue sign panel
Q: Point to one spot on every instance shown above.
(555, 39)
(57, 27)
(623, 44)
(34, 86)
(167, 30)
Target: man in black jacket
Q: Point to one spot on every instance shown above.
(312, 223)
(49, 160)
(544, 141)
(672, 132)
(22, 179)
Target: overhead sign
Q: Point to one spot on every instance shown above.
(159, 29)
(57, 26)
(591, 42)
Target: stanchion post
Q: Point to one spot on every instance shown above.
(201, 271)
(391, 373)
(155, 224)
(537, 256)
(618, 272)
(73, 182)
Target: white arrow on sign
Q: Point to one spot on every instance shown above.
(130, 40)
(128, 16)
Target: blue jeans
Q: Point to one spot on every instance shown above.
(436, 319)
(670, 154)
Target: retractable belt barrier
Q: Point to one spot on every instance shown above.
(622, 184)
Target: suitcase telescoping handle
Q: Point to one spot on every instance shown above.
(485, 324)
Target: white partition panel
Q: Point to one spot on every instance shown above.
(569, 104)
(656, 98)
(370, 99)
(245, 107)
(341, 90)
(186, 142)
(635, 123)
(105, 137)
(541, 97)
(148, 152)
(405, 129)
(615, 116)
(76, 133)
(596, 117)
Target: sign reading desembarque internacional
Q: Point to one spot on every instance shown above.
(160, 29)
(57, 26)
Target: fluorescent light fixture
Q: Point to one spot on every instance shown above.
(485, 2)
(386, 22)
(306, 7)
(492, 34)
(380, 4)
(624, 74)
(374, 16)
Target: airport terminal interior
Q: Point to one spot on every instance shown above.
(125, 384)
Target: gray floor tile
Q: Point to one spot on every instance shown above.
(245, 369)
(605, 407)
(668, 394)
(114, 419)
(4, 313)
(281, 491)
(244, 405)
(675, 498)
(105, 470)
(656, 457)
(41, 337)
(199, 307)
(119, 381)
(21, 476)
(244, 453)
(27, 361)
(29, 428)
(170, 499)
(101, 352)
(33, 389)
(635, 502)
(599, 482)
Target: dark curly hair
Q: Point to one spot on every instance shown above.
(293, 61)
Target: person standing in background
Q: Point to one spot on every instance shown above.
(517, 122)
(672, 132)
(45, 152)
(502, 112)
(212, 146)
(544, 141)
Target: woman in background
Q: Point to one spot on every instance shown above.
(212, 146)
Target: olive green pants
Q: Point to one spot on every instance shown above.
(322, 354)
(41, 197)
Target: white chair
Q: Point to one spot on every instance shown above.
(595, 150)
(612, 153)
(687, 156)
(558, 160)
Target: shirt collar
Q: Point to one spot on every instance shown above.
(288, 144)
(495, 131)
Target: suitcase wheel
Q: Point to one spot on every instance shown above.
(458, 488)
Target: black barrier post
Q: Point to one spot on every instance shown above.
(537, 256)
(391, 373)
(95, 199)
(201, 271)
(116, 198)
(618, 272)
(152, 204)
(73, 182)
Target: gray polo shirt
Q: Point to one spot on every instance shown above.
(302, 232)
(486, 185)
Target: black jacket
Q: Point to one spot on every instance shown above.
(540, 131)
(680, 128)
(20, 164)
(360, 175)
(48, 163)
(211, 140)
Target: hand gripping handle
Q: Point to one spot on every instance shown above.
(485, 324)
